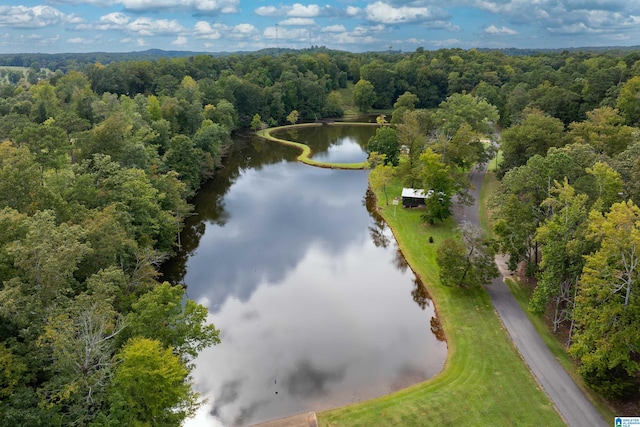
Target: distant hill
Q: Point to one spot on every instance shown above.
(64, 61)
(512, 51)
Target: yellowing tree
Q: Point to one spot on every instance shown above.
(150, 386)
(607, 313)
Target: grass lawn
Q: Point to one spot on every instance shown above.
(484, 381)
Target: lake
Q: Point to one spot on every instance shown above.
(317, 307)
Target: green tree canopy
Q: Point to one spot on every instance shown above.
(534, 135)
(468, 262)
(465, 108)
(385, 141)
(364, 95)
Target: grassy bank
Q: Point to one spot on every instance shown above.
(305, 154)
(484, 381)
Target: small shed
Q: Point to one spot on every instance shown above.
(412, 197)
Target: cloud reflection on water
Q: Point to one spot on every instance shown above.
(308, 304)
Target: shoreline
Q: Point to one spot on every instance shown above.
(482, 371)
(305, 155)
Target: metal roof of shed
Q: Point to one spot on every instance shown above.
(413, 192)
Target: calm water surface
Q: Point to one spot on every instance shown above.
(316, 305)
(334, 143)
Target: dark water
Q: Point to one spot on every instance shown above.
(316, 305)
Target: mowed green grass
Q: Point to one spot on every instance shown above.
(483, 383)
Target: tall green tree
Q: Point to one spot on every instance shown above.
(603, 130)
(293, 117)
(20, 179)
(364, 95)
(47, 258)
(163, 315)
(385, 141)
(468, 262)
(80, 336)
(381, 174)
(256, 122)
(563, 247)
(47, 142)
(150, 387)
(608, 186)
(519, 204)
(534, 135)
(439, 186)
(465, 108)
(628, 102)
(184, 158)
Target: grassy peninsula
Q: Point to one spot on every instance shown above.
(305, 155)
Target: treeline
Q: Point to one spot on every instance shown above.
(97, 165)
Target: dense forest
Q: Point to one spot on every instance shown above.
(98, 162)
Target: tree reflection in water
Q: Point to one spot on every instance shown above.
(436, 329)
(377, 230)
(420, 294)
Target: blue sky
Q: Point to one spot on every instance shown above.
(352, 25)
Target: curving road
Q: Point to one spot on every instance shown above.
(571, 403)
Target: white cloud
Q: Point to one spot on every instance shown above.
(204, 30)
(141, 42)
(153, 27)
(180, 41)
(42, 41)
(202, 6)
(300, 11)
(245, 29)
(334, 29)
(297, 34)
(388, 14)
(577, 28)
(298, 21)
(502, 31)
(568, 16)
(361, 30)
(353, 11)
(347, 38)
(104, 3)
(268, 11)
(142, 26)
(116, 20)
(445, 43)
(32, 17)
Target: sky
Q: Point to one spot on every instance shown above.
(58, 26)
